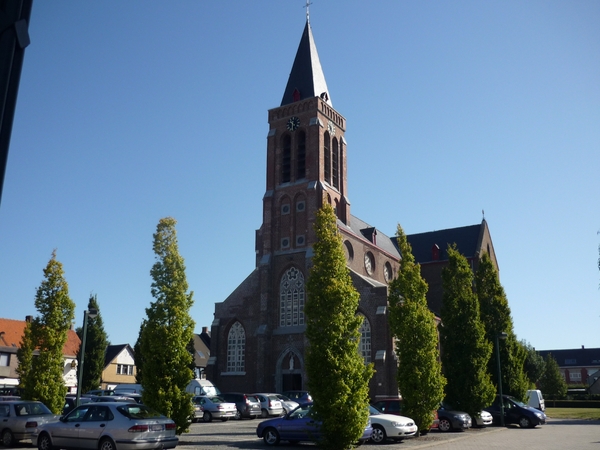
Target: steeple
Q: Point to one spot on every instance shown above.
(306, 78)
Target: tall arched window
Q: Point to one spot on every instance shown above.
(327, 157)
(301, 156)
(364, 347)
(335, 164)
(291, 298)
(286, 159)
(236, 348)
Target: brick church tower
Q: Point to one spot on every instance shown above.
(257, 336)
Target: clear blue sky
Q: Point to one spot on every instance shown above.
(132, 111)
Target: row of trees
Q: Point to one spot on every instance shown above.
(163, 357)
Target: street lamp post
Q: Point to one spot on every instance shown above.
(501, 335)
(90, 312)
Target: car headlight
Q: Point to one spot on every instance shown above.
(463, 416)
(539, 415)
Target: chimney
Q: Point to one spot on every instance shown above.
(435, 252)
(28, 319)
(204, 330)
(582, 347)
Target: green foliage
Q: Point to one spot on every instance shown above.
(41, 375)
(95, 349)
(552, 382)
(166, 331)
(337, 375)
(534, 363)
(413, 325)
(138, 357)
(465, 350)
(496, 318)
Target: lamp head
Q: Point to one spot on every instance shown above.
(92, 312)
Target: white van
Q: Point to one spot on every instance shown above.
(200, 386)
(536, 400)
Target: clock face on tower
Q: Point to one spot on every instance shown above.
(293, 123)
(331, 128)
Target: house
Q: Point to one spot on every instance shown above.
(119, 366)
(580, 366)
(201, 351)
(11, 335)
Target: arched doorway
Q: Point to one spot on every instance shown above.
(289, 371)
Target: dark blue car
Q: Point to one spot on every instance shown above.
(516, 412)
(297, 426)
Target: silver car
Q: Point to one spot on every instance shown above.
(102, 425)
(20, 418)
(270, 404)
(288, 404)
(207, 407)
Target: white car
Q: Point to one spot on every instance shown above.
(484, 419)
(390, 426)
(288, 405)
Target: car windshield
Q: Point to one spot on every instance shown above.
(300, 412)
(31, 409)
(138, 412)
(374, 411)
(211, 391)
(217, 400)
(517, 402)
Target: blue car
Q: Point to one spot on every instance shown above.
(297, 426)
(516, 412)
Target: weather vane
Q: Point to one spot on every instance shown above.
(308, 3)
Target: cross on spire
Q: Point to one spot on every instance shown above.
(308, 3)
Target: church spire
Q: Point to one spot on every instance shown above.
(306, 78)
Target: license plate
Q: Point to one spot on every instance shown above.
(156, 427)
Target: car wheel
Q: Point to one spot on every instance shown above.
(264, 414)
(445, 425)
(44, 442)
(8, 439)
(224, 419)
(378, 435)
(207, 416)
(524, 422)
(107, 444)
(271, 436)
(238, 415)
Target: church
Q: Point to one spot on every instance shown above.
(257, 335)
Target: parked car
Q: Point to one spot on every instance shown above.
(535, 399)
(483, 419)
(450, 419)
(71, 400)
(288, 404)
(516, 412)
(209, 407)
(299, 425)
(393, 405)
(20, 418)
(113, 398)
(101, 392)
(270, 405)
(247, 405)
(103, 425)
(298, 396)
(390, 426)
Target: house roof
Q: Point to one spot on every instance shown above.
(574, 357)
(466, 239)
(306, 79)
(112, 351)
(11, 332)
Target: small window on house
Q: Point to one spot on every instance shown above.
(5, 359)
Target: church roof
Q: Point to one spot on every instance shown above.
(362, 228)
(466, 239)
(306, 78)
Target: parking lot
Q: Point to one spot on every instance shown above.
(555, 435)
